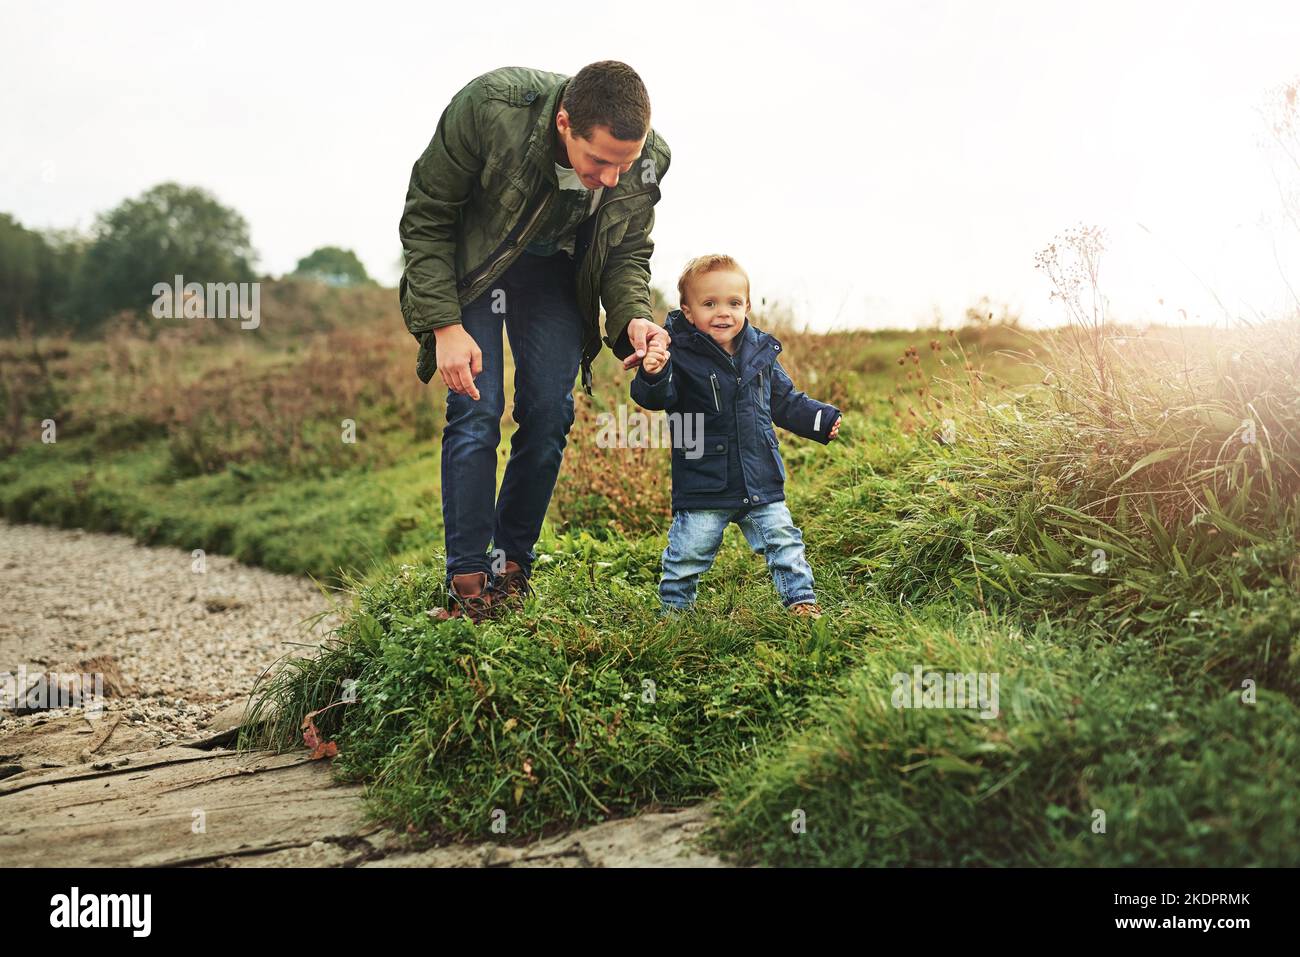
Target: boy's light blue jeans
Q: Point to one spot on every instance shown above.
(696, 534)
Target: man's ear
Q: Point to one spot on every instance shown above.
(563, 126)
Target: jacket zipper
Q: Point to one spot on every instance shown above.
(595, 230)
(518, 238)
(713, 377)
(722, 352)
(474, 275)
(515, 238)
(595, 227)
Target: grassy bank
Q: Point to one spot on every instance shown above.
(1105, 522)
(1117, 547)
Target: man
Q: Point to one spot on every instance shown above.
(531, 206)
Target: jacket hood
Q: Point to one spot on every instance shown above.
(681, 332)
(760, 348)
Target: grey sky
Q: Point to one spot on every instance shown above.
(866, 163)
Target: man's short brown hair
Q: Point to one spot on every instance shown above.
(608, 93)
(713, 262)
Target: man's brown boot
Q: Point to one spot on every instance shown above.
(510, 590)
(469, 597)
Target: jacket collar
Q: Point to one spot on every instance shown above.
(544, 140)
(760, 348)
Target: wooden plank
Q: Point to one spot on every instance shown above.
(70, 741)
(105, 765)
(178, 812)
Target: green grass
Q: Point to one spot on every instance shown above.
(1148, 711)
(1092, 531)
(583, 707)
(1098, 756)
(321, 526)
(543, 716)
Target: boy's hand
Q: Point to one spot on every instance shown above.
(656, 358)
(641, 333)
(835, 429)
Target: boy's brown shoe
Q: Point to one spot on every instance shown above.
(806, 609)
(510, 590)
(469, 597)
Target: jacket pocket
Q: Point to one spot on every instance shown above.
(501, 188)
(512, 197)
(615, 234)
(772, 443)
(708, 473)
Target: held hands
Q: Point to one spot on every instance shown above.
(656, 357)
(641, 332)
(460, 359)
(835, 429)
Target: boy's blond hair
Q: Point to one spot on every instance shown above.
(713, 262)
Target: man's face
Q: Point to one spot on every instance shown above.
(716, 304)
(600, 160)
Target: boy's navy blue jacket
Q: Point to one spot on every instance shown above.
(741, 398)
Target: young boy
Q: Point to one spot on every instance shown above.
(724, 372)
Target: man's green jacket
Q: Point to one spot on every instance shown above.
(483, 186)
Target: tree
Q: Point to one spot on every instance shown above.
(169, 230)
(335, 266)
(20, 252)
(36, 273)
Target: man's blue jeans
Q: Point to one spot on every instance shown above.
(696, 534)
(536, 301)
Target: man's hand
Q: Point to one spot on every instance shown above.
(835, 429)
(656, 357)
(640, 332)
(459, 359)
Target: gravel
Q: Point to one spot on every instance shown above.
(185, 643)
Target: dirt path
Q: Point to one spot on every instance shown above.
(151, 781)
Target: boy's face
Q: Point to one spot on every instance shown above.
(716, 304)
